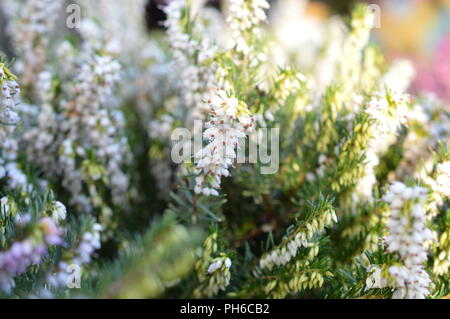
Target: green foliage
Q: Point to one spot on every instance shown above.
(152, 264)
(314, 229)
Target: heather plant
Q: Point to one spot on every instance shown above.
(309, 170)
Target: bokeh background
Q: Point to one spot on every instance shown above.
(415, 29)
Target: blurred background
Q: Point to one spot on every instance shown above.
(415, 29)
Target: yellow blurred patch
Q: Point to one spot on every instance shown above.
(406, 33)
(318, 10)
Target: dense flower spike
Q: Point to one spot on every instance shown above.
(191, 71)
(244, 20)
(429, 127)
(112, 18)
(443, 179)
(94, 125)
(441, 265)
(388, 113)
(408, 237)
(31, 33)
(75, 134)
(213, 272)
(320, 218)
(9, 98)
(192, 58)
(439, 183)
(230, 121)
(350, 70)
(399, 76)
(219, 276)
(90, 124)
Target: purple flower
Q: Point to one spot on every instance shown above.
(51, 231)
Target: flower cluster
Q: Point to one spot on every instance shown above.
(230, 121)
(443, 179)
(299, 238)
(407, 237)
(97, 78)
(219, 276)
(244, 20)
(192, 59)
(441, 265)
(111, 18)
(81, 255)
(218, 263)
(9, 97)
(76, 132)
(213, 273)
(351, 69)
(31, 34)
(190, 72)
(439, 183)
(16, 260)
(399, 76)
(29, 251)
(41, 138)
(89, 243)
(287, 83)
(284, 254)
(298, 278)
(388, 113)
(428, 127)
(90, 123)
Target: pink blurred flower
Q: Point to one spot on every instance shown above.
(436, 79)
(51, 231)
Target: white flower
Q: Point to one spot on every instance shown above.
(376, 280)
(399, 76)
(59, 211)
(9, 97)
(443, 179)
(229, 123)
(190, 57)
(245, 18)
(408, 236)
(30, 30)
(388, 115)
(288, 249)
(217, 264)
(91, 123)
(227, 262)
(4, 206)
